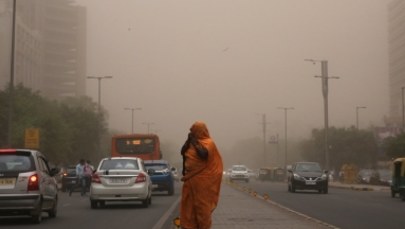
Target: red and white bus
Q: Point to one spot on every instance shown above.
(145, 146)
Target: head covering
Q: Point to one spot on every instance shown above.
(199, 130)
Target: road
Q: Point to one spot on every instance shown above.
(75, 212)
(343, 208)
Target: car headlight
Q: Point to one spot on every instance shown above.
(297, 177)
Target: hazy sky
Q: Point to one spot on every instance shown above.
(227, 62)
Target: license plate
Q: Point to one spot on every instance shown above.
(7, 181)
(310, 182)
(118, 180)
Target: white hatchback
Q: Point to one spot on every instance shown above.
(120, 179)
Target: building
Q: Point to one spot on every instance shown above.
(396, 39)
(50, 43)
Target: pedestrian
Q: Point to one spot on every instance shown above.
(88, 172)
(202, 176)
(81, 179)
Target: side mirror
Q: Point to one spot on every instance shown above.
(151, 171)
(54, 171)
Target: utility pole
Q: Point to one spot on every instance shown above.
(264, 125)
(324, 77)
(357, 116)
(285, 133)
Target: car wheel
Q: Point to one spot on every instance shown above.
(145, 203)
(171, 191)
(325, 190)
(93, 204)
(392, 193)
(53, 212)
(292, 187)
(36, 216)
(150, 200)
(102, 203)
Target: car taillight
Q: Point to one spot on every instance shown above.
(95, 179)
(33, 183)
(140, 178)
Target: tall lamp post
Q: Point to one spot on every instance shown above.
(357, 115)
(403, 110)
(11, 89)
(99, 78)
(324, 77)
(148, 124)
(285, 132)
(132, 116)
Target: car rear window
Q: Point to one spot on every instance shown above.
(16, 163)
(119, 164)
(156, 166)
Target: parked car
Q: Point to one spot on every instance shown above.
(27, 184)
(69, 178)
(398, 178)
(239, 172)
(162, 177)
(307, 176)
(120, 179)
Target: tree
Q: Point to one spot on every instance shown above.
(346, 145)
(395, 146)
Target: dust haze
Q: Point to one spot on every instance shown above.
(228, 62)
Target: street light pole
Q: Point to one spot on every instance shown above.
(357, 115)
(324, 77)
(403, 110)
(285, 132)
(99, 78)
(11, 89)
(132, 116)
(148, 124)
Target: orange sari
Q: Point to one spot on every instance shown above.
(202, 182)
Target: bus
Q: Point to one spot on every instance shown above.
(144, 146)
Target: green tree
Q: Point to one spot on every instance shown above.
(346, 145)
(395, 146)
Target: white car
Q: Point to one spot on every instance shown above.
(239, 172)
(120, 179)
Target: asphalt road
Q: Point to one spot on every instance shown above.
(343, 208)
(75, 212)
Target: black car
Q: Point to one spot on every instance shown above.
(307, 176)
(69, 178)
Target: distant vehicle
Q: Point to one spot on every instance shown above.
(144, 146)
(27, 184)
(162, 177)
(398, 178)
(307, 176)
(271, 174)
(69, 178)
(239, 172)
(120, 179)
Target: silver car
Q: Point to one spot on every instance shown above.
(27, 184)
(120, 179)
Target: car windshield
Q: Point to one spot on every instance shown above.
(119, 164)
(308, 167)
(239, 168)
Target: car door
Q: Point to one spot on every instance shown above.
(48, 187)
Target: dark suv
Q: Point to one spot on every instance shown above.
(69, 178)
(162, 176)
(27, 184)
(307, 176)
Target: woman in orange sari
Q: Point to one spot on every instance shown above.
(202, 176)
